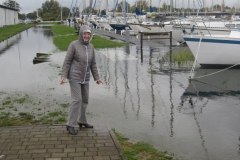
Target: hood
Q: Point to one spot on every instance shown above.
(82, 29)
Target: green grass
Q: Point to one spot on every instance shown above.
(8, 31)
(64, 35)
(182, 56)
(62, 42)
(141, 150)
(63, 30)
(64, 105)
(7, 102)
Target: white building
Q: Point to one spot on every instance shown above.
(8, 16)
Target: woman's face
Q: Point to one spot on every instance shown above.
(86, 36)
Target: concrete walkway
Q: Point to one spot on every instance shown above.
(52, 142)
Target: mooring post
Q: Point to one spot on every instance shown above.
(170, 39)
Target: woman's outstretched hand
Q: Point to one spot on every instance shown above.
(62, 81)
(99, 81)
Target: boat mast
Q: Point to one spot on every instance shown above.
(212, 5)
(125, 10)
(183, 7)
(61, 13)
(106, 7)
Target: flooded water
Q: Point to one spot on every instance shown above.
(151, 101)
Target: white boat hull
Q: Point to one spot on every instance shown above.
(217, 51)
(178, 32)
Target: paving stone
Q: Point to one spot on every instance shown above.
(37, 151)
(49, 146)
(89, 145)
(24, 156)
(51, 142)
(77, 154)
(59, 155)
(99, 144)
(60, 146)
(69, 150)
(48, 139)
(9, 152)
(101, 158)
(81, 149)
(18, 147)
(32, 143)
(35, 146)
(90, 153)
(91, 149)
(83, 158)
(68, 158)
(11, 157)
(115, 157)
(23, 151)
(104, 153)
(75, 145)
(107, 149)
(65, 138)
(41, 155)
(55, 150)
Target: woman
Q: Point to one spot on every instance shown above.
(79, 60)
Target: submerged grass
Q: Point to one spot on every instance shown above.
(64, 35)
(182, 56)
(8, 31)
(141, 150)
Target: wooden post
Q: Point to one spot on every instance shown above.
(171, 39)
(141, 43)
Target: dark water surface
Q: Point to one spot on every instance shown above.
(151, 101)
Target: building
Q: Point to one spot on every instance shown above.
(8, 16)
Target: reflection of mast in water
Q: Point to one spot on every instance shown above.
(116, 75)
(170, 94)
(152, 84)
(105, 74)
(108, 72)
(192, 106)
(19, 56)
(125, 75)
(200, 131)
(27, 31)
(138, 95)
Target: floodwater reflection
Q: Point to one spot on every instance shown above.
(159, 103)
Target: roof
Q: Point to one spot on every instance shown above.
(1, 6)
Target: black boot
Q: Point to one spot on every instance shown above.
(86, 125)
(71, 130)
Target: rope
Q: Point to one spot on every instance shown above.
(195, 61)
(216, 72)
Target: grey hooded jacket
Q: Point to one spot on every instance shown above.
(80, 59)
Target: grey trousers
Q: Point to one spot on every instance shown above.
(77, 110)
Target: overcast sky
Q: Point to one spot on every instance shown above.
(32, 5)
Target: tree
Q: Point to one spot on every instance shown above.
(142, 5)
(120, 7)
(21, 16)
(165, 7)
(32, 15)
(65, 12)
(217, 7)
(51, 10)
(11, 4)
